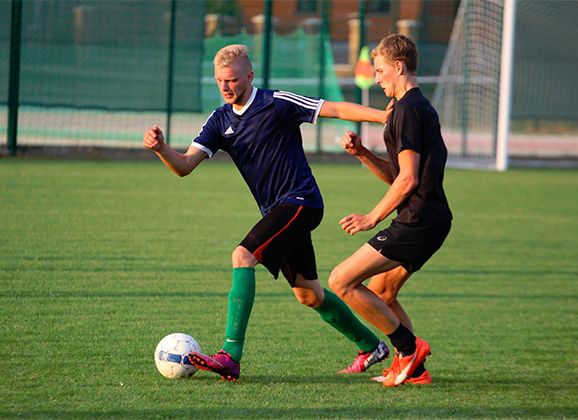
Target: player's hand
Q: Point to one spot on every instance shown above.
(356, 223)
(351, 143)
(154, 138)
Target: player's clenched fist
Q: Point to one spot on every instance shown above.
(154, 138)
(351, 143)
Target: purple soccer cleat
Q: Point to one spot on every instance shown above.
(366, 359)
(220, 363)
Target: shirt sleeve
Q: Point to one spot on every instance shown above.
(299, 108)
(208, 137)
(408, 129)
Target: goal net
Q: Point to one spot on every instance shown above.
(543, 116)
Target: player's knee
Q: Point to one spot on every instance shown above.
(337, 283)
(309, 301)
(243, 258)
(309, 298)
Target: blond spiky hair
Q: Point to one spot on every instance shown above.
(398, 47)
(233, 54)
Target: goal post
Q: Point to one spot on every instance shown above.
(505, 95)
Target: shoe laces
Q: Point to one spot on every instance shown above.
(221, 356)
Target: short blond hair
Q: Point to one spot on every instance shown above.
(234, 54)
(398, 47)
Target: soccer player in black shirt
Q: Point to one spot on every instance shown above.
(260, 130)
(414, 169)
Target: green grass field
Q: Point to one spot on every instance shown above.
(100, 260)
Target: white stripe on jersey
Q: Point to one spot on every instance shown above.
(296, 96)
(316, 116)
(203, 148)
(298, 99)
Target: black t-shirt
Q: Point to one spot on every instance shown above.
(414, 125)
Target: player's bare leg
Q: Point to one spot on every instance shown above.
(347, 281)
(308, 292)
(386, 286)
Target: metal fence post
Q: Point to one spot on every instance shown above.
(362, 9)
(14, 76)
(324, 34)
(267, 44)
(170, 70)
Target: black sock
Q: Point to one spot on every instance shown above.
(418, 371)
(403, 340)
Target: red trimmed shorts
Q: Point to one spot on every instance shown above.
(281, 241)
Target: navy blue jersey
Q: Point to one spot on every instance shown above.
(264, 140)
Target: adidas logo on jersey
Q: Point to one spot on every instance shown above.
(229, 130)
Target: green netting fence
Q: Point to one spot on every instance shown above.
(100, 72)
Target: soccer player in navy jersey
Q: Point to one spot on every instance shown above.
(414, 170)
(260, 130)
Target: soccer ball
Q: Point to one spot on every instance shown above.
(171, 355)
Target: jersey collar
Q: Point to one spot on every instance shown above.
(248, 104)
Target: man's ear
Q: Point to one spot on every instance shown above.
(400, 68)
(251, 76)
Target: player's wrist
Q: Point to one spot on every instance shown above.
(363, 153)
(374, 218)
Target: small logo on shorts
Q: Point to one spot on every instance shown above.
(381, 238)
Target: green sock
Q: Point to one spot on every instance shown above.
(337, 314)
(241, 299)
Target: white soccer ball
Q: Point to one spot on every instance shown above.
(171, 355)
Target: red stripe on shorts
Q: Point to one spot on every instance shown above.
(259, 251)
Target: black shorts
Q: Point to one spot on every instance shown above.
(282, 241)
(411, 244)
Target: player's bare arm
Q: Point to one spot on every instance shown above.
(351, 143)
(181, 164)
(352, 112)
(400, 189)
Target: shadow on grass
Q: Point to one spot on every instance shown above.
(440, 383)
(298, 379)
(503, 271)
(507, 272)
(181, 294)
(381, 410)
(130, 294)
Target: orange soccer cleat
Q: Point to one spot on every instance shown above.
(403, 366)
